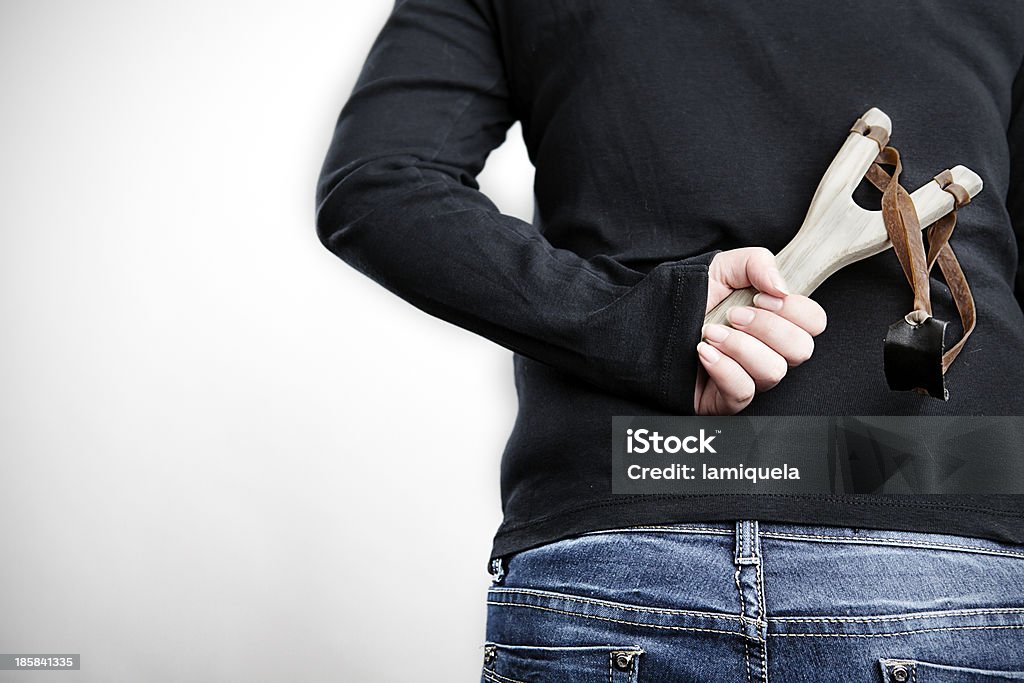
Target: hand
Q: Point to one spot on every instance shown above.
(764, 340)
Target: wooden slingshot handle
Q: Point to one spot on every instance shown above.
(836, 232)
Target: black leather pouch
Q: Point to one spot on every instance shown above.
(913, 357)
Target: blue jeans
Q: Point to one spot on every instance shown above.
(749, 601)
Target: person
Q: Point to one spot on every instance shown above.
(676, 146)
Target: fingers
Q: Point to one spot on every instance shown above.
(765, 340)
(800, 310)
(746, 267)
(786, 338)
(762, 363)
(735, 387)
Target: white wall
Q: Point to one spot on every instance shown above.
(224, 454)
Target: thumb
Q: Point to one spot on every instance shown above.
(748, 267)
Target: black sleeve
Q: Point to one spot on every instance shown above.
(398, 200)
(1015, 195)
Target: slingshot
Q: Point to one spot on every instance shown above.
(837, 232)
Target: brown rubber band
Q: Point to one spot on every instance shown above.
(902, 225)
(876, 133)
(959, 192)
(940, 250)
(945, 178)
(904, 229)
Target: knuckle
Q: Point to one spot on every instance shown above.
(737, 344)
(770, 324)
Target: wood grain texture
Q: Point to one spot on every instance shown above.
(836, 232)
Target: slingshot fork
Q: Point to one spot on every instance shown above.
(836, 231)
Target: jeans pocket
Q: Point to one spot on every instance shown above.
(914, 671)
(542, 664)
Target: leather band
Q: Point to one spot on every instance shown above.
(940, 251)
(876, 133)
(902, 225)
(912, 345)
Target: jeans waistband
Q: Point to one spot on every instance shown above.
(803, 533)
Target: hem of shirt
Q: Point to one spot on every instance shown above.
(867, 512)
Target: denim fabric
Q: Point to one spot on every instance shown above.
(750, 601)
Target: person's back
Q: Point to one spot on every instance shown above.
(663, 135)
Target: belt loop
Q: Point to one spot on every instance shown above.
(747, 542)
(749, 578)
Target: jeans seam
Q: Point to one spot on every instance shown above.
(743, 601)
(895, 633)
(762, 612)
(762, 616)
(873, 540)
(620, 621)
(743, 616)
(608, 603)
(902, 617)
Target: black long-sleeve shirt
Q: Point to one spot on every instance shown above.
(661, 133)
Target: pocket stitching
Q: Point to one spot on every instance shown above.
(495, 677)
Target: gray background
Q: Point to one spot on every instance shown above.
(226, 456)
